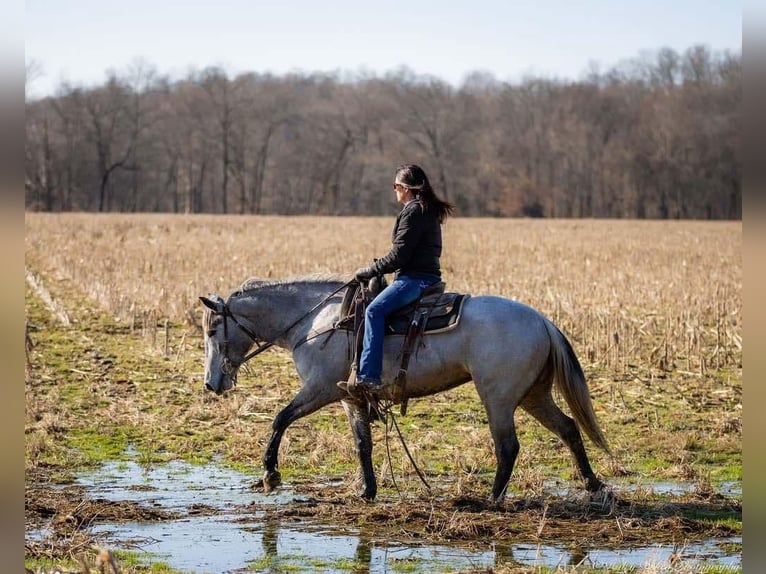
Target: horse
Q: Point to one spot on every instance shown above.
(511, 352)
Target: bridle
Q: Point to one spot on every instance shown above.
(260, 343)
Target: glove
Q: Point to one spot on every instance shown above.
(365, 273)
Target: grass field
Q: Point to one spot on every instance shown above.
(646, 294)
(653, 309)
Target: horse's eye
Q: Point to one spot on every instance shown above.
(211, 333)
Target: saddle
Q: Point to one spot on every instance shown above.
(434, 312)
(441, 311)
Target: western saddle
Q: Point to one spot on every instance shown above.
(434, 312)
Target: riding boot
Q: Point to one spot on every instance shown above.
(349, 385)
(372, 386)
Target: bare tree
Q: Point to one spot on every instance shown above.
(112, 130)
(656, 136)
(224, 96)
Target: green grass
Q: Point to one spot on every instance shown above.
(286, 563)
(406, 565)
(97, 445)
(128, 562)
(720, 518)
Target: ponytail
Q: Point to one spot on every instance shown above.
(414, 178)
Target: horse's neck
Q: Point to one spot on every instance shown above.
(272, 309)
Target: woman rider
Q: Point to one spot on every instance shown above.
(414, 258)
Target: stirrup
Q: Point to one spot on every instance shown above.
(348, 386)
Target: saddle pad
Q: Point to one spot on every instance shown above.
(443, 311)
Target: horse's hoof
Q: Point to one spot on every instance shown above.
(604, 499)
(496, 502)
(368, 495)
(271, 480)
(594, 485)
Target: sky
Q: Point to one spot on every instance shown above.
(79, 41)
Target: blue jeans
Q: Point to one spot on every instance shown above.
(400, 292)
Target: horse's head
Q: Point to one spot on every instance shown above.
(225, 345)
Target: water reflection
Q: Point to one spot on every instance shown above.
(578, 557)
(503, 554)
(363, 554)
(264, 544)
(270, 539)
(234, 539)
(284, 547)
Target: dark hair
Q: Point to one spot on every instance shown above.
(414, 178)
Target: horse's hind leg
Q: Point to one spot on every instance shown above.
(359, 417)
(540, 404)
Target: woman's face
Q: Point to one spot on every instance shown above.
(403, 195)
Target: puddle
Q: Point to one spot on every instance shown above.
(176, 485)
(217, 544)
(731, 488)
(234, 539)
(37, 534)
(209, 544)
(708, 553)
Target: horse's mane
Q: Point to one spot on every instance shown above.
(254, 283)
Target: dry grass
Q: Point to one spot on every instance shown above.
(666, 295)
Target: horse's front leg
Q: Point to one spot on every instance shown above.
(359, 417)
(309, 399)
(271, 476)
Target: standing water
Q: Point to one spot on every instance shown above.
(217, 532)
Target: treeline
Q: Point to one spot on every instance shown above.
(656, 137)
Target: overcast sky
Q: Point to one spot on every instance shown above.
(79, 40)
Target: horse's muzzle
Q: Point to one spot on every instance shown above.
(218, 384)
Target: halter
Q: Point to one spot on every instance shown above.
(262, 344)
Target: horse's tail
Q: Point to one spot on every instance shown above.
(570, 381)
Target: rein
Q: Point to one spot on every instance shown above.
(261, 347)
(383, 409)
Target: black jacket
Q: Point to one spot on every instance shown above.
(417, 243)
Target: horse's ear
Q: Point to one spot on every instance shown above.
(214, 305)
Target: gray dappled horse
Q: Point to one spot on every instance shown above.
(511, 352)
